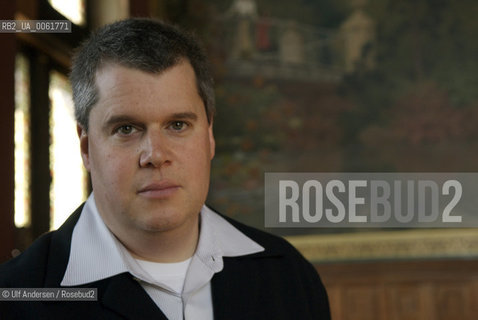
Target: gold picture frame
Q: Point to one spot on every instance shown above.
(384, 245)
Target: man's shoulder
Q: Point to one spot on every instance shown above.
(50, 250)
(279, 256)
(274, 245)
(28, 268)
(278, 270)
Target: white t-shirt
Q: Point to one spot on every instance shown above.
(171, 274)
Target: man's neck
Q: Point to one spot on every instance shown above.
(165, 246)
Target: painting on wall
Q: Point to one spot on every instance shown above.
(340, 86)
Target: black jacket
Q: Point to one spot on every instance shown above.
(277, 283)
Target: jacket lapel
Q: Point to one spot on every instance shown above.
(120, 293)
(123, 295)
(236, 289)
(59, 251)
(225, 292)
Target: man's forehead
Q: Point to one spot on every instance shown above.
(123, 89)
(112, 76)
(110, 64)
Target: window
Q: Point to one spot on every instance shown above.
(69, 180)
(73, 10)
(22, 142)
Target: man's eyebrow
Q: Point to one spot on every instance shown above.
(184, 115)
(118, 119)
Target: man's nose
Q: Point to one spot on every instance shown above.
(154, 150)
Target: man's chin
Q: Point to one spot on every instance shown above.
(164, 222)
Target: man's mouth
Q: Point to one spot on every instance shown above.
(158, 190)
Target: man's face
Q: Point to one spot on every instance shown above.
(148, 148)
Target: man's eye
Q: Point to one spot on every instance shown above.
(125, 129)
(178, 125)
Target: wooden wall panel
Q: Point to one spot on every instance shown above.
(415, 290)
(362, 303)
(406, 302)
(474, 298)
(335, 300)
(451, 300)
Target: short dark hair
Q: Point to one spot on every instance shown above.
(145, 44)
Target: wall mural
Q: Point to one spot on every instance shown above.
(340, 86)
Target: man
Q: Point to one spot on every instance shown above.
(144, 104)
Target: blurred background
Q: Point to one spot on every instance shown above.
(301, 86)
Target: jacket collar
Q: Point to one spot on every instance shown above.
(60, 250)
(115, 293)
(97, 254)
(125, 296)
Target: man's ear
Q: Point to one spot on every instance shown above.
(212, 142)
(83, 136)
